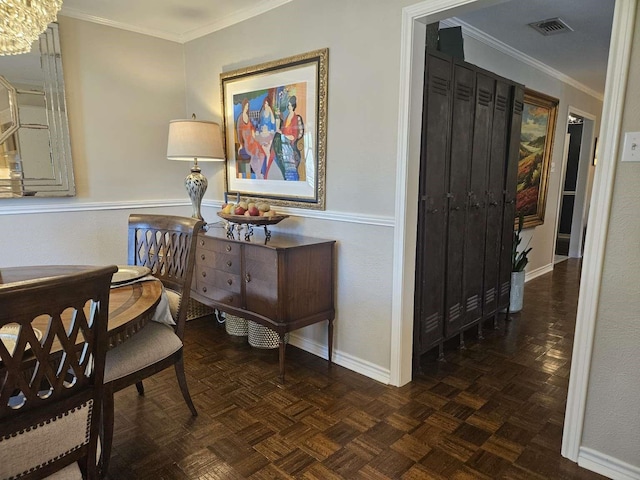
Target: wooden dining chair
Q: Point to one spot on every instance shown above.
(167, 245)
(51, 376)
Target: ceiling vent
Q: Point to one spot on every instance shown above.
(551, 26)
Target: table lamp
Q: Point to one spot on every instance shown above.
(194, 140)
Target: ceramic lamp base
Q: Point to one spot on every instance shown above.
(196, 184)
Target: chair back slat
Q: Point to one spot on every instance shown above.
(167, 245)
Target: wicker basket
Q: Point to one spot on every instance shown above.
(236, 326)
(263, 337)
(196, 309)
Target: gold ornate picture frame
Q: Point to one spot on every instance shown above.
(275, 124)
(536, 147)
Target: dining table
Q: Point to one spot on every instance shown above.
(131, 304)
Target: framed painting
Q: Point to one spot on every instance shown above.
(275, 124)
(536, 145)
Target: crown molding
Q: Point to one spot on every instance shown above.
(496, 44)
(224, 22)
(236, 17)
(74, 13)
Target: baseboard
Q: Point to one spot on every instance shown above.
(345, 360)
(608, 466)
(538, 271)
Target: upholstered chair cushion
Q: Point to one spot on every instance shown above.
(153, 343)
(40, 444)
(174, 302)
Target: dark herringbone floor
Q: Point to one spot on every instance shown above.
(492, 411)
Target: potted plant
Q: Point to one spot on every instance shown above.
(519, 260)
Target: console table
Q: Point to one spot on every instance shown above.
(284, 283)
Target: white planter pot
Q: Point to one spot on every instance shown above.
(516, 296)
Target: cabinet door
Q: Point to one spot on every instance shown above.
(261, 280)
(511, 180)
(473, 273)
(495, 200)
(460, 159)
(432, 215)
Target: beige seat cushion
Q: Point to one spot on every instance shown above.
(40, 444)
(174, 303)
(150, 345)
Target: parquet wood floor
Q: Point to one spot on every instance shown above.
(492, 411)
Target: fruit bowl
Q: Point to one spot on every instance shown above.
(252, 220)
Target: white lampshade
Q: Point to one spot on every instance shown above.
(195, 139)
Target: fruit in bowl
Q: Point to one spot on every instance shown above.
(253, 210)
(228, 208)
(248, 209)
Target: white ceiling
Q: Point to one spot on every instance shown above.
(580, 55)
(177, 20)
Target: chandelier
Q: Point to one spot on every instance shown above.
(22, 21)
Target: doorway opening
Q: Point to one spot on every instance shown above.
(414, 23)
(575, 187)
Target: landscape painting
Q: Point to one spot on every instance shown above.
(536, 145)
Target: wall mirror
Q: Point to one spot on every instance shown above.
(35, 151)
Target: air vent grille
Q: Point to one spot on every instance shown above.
(551, 26)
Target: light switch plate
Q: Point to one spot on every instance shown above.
(631, 149)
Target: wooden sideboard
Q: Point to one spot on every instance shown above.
(285, 283)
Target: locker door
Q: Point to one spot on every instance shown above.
(459, 163)
(494, 198)
(511, 180)
(432, 215)
(473, 274)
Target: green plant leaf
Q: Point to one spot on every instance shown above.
(519, 260)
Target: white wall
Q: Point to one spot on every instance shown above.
(122, 89)
(612, 416)
(543, 236)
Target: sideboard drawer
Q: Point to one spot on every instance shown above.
(219, 295)
(219, 261)
(215, 278)
(218, 245)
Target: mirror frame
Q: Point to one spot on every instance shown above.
(12, 101)
(59, 180)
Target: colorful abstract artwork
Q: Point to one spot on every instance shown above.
(275, 130)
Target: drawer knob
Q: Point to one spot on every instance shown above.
(230, 300)
(228, 248)
(229, 263)
(202, 243)
(204, 289)
(204, 274)
(247, 277)
(202, 256)
(229, 281)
